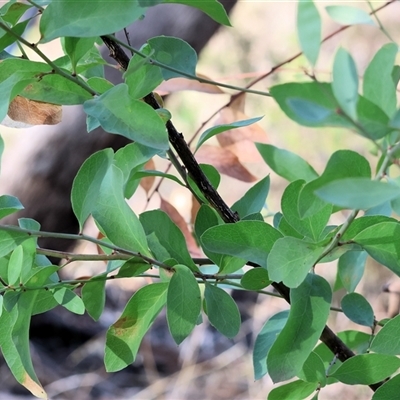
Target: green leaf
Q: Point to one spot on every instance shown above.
(373, 122)
(213, 176)
(10, 240)
(9, 204)
(100, 85)
(265, 340)
(249, 240)
(183, 303)
(378, 85)
(125, 335)
(381, 243)
(11, 12)
(91, 18)
(94, 297)
(313, 370)
(366, 369)
(215, 130)
(348, 15)
(8, 39)
(389, 390)
(362, 223)
(10, 299)
(222, 311)
(309, 111)
(345, 83)
(310, 304)
(76, 48)
(118, 113)
(115, 218)
(133, 267)
(387, 340)
(44, 302)
(357, 341)
(15, 265)
(212, 8)
(291, 259)
(14, 342)
(175, 53)
(351, 268)
(206, 218)
(142, 77)
(168, 235)
(40, 276)
(254, 199)
(255, 279)
(293, 390)
(70, 300)
(129, 160)
(56, 89)
(312, 225)
(309, 29)
(357, 309)
(15, 75)
(286, 164)
(357, 193)
(87, 183)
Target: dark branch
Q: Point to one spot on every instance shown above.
(177, 140)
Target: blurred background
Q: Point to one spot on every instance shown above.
(67, 350)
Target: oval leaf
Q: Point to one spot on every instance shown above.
(70, 300)
(126, 334)
(357, 193)
(294, 390)
(389, 390)
(175, 53)
(255, 279)
(345, 83)
(310, 305)
(91, 18)
(348, 15)
(309, 29)
(115, 218)
(357, 309)
(118, 113)
(87, 183)
(291, 259)
(351, 269)
(249, 240)
(183, 303)
(222, 311)
(94, 297)
(286, 164)
(253, 200)
(387, 340)
(378, 85)
(366, 369)
(265, 340)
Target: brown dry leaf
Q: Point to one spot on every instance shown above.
(33, 112)
(99, 249)
(34, 387)
(182, 225)
(148, 182)
(225, 161)
(194, 210)
(180, 84)
(240, 140)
